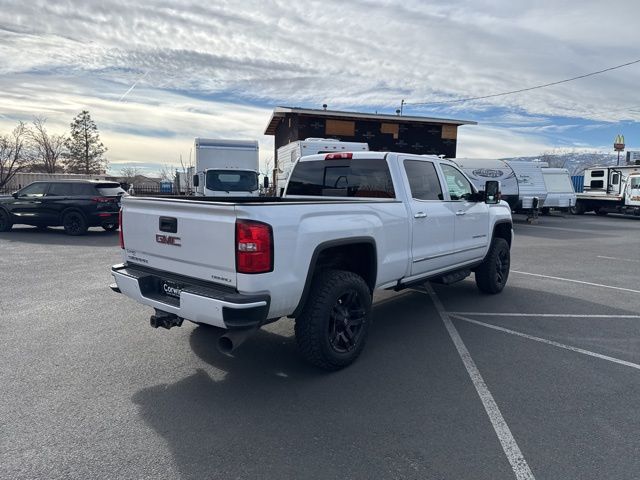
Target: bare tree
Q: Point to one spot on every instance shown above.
(187, 170)
(129, 174)
(167, 173)
(47, 149)
(13, 154)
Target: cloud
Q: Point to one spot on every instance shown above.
(218, 67)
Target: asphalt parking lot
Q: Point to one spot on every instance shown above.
(541, 381)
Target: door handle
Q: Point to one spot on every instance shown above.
(461, 212)
(420, 215)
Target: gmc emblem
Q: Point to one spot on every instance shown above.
(168, 240)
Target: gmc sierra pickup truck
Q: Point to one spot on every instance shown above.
(348, 224)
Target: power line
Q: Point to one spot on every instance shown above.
(460, 100)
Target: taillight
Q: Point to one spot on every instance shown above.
(120, 229)
(254, 247)
(339, 156)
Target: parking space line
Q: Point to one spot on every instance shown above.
(576, 281)
(509, 445)
(550, 342)
(621, 259)
(556, 315)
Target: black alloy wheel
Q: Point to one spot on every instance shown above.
(332, 328)
(345, 324)
(74, 223)
(502, 266)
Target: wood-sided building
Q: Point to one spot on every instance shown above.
(407, 134)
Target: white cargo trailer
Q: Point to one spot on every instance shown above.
(287, 155)
(560, 192)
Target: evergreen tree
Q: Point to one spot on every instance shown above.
(85, 150)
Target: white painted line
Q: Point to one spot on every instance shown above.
(551, 342)
(576, 281)
(509, 445)
(621, 259)
(576, 230)
(557, 315)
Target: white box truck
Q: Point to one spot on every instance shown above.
(226, 168)
(287, 155)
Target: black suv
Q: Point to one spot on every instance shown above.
(74, 204)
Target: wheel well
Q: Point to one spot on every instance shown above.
(359, 258)
(69, 210)
(503, 230)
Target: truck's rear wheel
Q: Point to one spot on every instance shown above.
(332, 329)
(492, 274)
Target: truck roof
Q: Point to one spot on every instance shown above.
(371, 155)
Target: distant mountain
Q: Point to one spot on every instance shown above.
(575, 162)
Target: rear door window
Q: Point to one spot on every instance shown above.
(363, 178)
(423, 180)
(60, 190)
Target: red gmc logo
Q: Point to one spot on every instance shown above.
(168, 240)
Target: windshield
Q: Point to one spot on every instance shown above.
(232, 180)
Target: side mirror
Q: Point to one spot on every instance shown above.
(265, 182)
(196, 181)
(492, 192)
(14, 194)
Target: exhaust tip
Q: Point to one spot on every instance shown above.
(225, 345)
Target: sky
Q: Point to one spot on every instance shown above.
(156, 75)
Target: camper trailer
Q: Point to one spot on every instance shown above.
(287, 155)
(560, 192)
(521, 182)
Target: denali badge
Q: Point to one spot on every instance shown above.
(168, 240)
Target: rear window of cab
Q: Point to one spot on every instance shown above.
(355, 178)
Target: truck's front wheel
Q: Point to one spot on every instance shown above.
(332, 329)
(492, 274)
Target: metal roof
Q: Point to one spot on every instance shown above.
(280, 113)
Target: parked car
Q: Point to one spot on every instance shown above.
(76, 205)
(348, 223)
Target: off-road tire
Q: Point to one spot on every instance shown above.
(74, 223)
(317, 327)
(493, 272)
(5, 221)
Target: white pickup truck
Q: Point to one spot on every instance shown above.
(348, 224)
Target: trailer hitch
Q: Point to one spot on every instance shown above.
(165, 320)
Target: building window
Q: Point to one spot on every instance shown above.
(392, 128)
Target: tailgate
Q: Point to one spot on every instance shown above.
(180, 236)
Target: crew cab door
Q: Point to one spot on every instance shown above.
(432, 222)
(471, 218)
